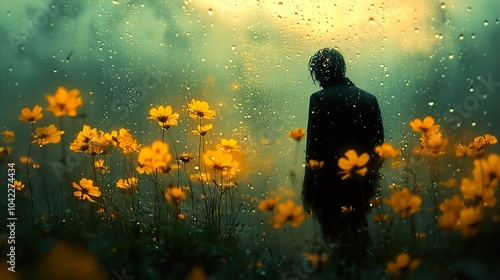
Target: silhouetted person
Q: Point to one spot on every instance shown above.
(341, 117)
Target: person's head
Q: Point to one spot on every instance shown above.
(326, 67)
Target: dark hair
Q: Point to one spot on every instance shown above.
(326, 67)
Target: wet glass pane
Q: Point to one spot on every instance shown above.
(174, 139)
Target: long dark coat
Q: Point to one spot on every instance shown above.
(341, 117)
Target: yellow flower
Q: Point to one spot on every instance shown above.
(477, 148)
(83, 138)
(127, 184)
(346, 210)
(316, 260)
(86, 189)
(288, 212)
(8, 136)
(402, 265)
(469, 221)
(228, 145)
(200, 110)
(203, 177)
(352, 163)
(154, 158)
(426, 126)
(386, 150)
(316, 165)
(268, 204)
(477, 192)
(164, 116)
(451, 209)
(28, 161)
(297, 134)
(64, 102)
(91, 142)
(18, 185)
(405, 203)
(433, 143)
(202, 130)
(46, 135)
(31, 116)
(175, 195)
(486, 172)
(99, 165)
(221, 161)
(185, 157)
(122, 139)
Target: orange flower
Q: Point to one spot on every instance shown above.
(426, 126)
(200, 110)
(379, 218)
(175, 195)
(386, 150)
(469, 221)
(316, 165)
(402, 265)
(316, 260)
(268, 204)
(64, 102)
(352, 163)
(451, 209)
(297, 134)
(123, 139)
(31, 116)
(228, 145)
(475, 191)
(201, 177)
(346, 210)
(47, 135)
(99, 165)
(477, 148)
(288, 212)
(486, 172)
(8, 136)
(433, 143)
(405, 203)
(164, 116)
(86, 189)
(127, 184)
(18, 185)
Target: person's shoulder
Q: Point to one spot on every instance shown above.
(365, 93)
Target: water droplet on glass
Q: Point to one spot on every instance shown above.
(55, 70)
(473, 124)
(461, 36)
(485, 23)
(431, 103)
(371, 21)
(233, 47)
(443, 5)
(210, 11)
(473, 35)
(116, 2)
(450, 56)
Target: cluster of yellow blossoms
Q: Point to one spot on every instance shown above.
(479, 193)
